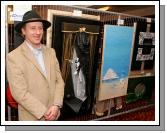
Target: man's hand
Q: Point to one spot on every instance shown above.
(52, 113)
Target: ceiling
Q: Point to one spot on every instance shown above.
(137, 10)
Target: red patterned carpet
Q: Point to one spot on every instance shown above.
(146, 114)
(140, 110)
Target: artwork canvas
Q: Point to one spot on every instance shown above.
(116, 61)
(144, 47)
(140, 88)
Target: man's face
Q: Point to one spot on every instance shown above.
(33, 32)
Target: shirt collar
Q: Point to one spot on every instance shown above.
(34, 50)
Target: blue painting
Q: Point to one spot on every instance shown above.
(117, 47)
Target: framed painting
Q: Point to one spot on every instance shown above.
(117, 47)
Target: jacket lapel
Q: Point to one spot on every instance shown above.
(29, 55)
(47, 58)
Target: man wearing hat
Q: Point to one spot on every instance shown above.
(33, 73)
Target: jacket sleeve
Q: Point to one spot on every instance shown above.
(59, 90)
(19, 89)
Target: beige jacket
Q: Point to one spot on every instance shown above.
(29, 87)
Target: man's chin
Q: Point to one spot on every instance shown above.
(37, 43)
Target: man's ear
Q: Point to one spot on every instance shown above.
(23, 31)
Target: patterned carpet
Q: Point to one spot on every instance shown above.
(140, 110)
(146, 114)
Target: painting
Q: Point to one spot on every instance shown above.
(140, 88)
(144, 47)
(117, 47)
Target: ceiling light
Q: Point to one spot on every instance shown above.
(9, 9)
(104, 8)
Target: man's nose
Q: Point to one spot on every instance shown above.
(38, 31)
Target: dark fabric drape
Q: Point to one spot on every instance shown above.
(92, 47)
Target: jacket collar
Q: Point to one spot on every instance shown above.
(29, 55)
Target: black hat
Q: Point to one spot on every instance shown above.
(31, 16)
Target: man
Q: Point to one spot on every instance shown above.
(33, 73)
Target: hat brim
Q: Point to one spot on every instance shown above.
(46, 24)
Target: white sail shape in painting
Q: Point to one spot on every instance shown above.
(110, 74)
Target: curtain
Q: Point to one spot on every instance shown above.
(68, 41)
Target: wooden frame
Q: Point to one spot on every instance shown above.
(64, 13)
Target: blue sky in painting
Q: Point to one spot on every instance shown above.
(117, 49)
